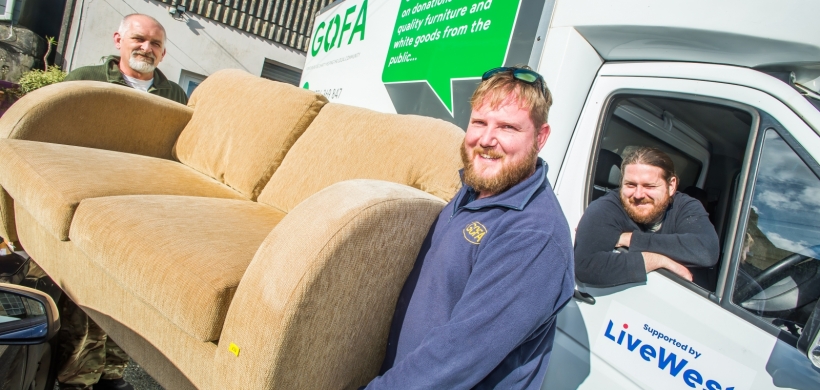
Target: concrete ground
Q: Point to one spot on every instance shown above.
(137, 377)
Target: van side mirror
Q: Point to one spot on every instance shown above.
(27, 316)
(809, 341)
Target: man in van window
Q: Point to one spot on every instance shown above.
(479, 307)
(643, 226)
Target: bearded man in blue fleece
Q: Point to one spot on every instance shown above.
(479, 307)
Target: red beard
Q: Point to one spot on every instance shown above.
(643, 216)
(509, 175)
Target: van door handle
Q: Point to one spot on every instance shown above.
(584, 297)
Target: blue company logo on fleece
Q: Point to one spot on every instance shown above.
(661, 357)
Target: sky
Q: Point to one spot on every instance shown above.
(787, 198)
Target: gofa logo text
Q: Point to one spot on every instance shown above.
(331, 34)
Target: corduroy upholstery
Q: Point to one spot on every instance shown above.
(184, 256)
(7, 227)
(50, 180)
(97, 115)
(174, 358)
(324, 285)
(345, 142)
(272, 116)
(92, 114)
(178, 263)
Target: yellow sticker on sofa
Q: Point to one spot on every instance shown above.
(234, 349)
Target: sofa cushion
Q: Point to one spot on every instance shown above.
(345, 142)
(163, 349)
(50, 180)
(242, 127)
(182, 255)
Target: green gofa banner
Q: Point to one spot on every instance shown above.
(440, 40)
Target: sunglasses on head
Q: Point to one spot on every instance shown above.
(526, 75)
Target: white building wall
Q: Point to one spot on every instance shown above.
(193, 44)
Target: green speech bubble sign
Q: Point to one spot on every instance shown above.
(440, 40)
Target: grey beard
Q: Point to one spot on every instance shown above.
(141, 66)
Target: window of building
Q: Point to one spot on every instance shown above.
(280, 72)
(5, 9)
(189, 81)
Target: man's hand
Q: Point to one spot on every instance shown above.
(624, 240)
(653, 261)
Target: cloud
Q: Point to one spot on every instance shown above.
(787, 244)
(779, 163)
(811, 195)
(780, 200)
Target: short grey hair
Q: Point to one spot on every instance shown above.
(126, 23)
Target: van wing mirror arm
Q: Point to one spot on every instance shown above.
(809, 341)
(583, 297)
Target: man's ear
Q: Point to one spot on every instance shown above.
(543, 134)
(673, 185)
(117, 39)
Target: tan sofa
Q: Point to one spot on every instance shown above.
(256, 239)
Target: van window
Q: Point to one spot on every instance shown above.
(706, 142)
(778, 277)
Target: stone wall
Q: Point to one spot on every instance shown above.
(20, 51)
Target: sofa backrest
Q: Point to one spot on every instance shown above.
(346, 142)
(243, 126)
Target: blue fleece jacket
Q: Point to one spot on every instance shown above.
(478, 309)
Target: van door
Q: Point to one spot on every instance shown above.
(752, 162)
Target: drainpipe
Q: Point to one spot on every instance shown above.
(65, 29)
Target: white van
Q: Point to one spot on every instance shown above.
(729, 89)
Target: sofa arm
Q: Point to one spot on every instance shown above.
(97, 115)
(8, 230)
(314, 307)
